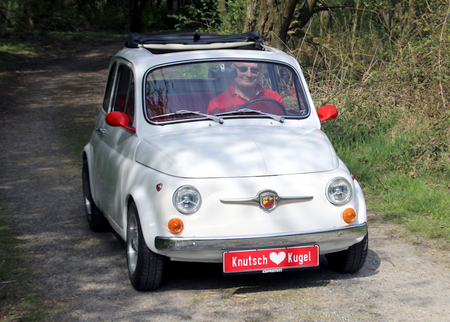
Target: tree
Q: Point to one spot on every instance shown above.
(273, 17)
(136, 9)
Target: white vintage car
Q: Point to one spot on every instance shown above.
(208, 149)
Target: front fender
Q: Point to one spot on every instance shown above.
(87, 154)
(142, 192)
(361, 203)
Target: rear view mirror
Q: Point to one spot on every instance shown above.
(227, 73)
(327, 112)
(117, 118)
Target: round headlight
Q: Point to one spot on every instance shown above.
(187, 199)
(339, 191)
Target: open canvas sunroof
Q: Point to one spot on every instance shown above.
(184, 42)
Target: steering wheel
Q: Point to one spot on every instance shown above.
(256, 100)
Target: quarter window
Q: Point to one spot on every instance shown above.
(124, 97)
(109, 86)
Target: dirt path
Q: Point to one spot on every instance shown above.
(47, 110)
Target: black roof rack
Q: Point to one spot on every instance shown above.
(183, 42)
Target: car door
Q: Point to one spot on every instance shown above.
(111, 145)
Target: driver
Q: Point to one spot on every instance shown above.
(245, 88)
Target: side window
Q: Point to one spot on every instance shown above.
(124, 94)
(109, 86)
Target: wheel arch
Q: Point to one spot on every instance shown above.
(87, 157)
(87, 153)
(360, 203)
(147, 216)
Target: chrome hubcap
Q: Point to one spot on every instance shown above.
(132, 243)
(87, 192)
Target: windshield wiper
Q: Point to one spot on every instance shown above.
(248, 110)
(183, 112)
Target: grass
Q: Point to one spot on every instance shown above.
(15, 53)
(422, 206)
(14, 46)
(20, 298)
(393, 131)
(397, 179)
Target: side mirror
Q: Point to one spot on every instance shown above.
(327, 112)
(117, 118)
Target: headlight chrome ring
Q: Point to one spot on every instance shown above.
(339, 191)
(187, 200)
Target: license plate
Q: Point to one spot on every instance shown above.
(270, 260)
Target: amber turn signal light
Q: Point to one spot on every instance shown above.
(349, 215)
(175, 225)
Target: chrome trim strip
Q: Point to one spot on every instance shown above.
(268, 241)
(286, 200)
(256, 200)
(242, 201)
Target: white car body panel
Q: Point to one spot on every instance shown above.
(231, 151)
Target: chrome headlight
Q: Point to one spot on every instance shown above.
(187, 200)
(339, 191)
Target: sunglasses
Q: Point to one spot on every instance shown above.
(253, 70)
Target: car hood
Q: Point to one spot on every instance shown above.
(226, 151)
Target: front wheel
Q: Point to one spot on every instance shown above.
(350, 260)
(145, 268)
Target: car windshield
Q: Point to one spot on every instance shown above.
(221, 90)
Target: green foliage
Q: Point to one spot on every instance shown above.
(394, 123)
(209, 16)
(202, 17)
(7, 45)
(21, 19)
(234, 16)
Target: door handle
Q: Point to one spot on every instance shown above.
(101, 130)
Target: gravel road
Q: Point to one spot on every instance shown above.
(48, 109)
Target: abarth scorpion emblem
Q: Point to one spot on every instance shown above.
(268, 200)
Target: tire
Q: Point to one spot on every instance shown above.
(145, 268)
(97, 222)
(350, 260)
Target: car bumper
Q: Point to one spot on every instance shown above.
(331, 240)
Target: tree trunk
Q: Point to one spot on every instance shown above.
(222, 6)
(4, 17)
(282, 21)
(325, 23)
(136, 10)
(355, 19)
(273, 17)
(410, 22)
(250, 16)
(27, 12)
(306, 12)
(354, 27)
